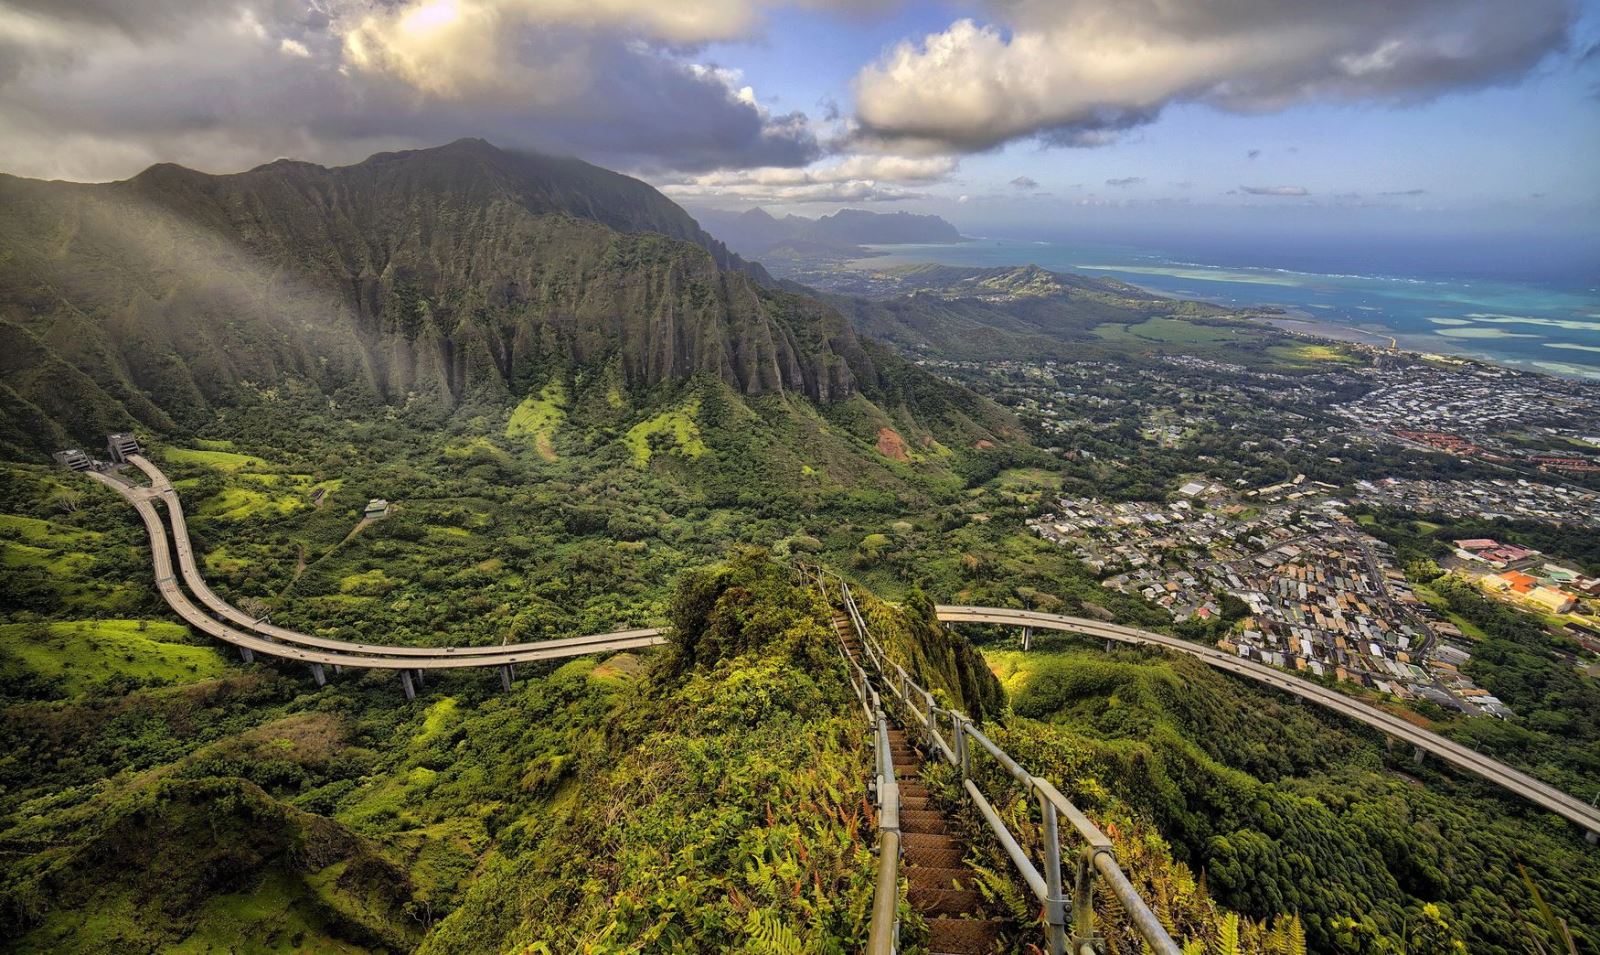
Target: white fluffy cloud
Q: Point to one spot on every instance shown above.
(1076, 72)
(864, 177)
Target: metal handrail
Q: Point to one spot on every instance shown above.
(1098, 855)
(883, 931)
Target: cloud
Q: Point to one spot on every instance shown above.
(1025, 183)
(225, 84)
(1075, 72)
(1125, 181)
(858, 178)
(1275, 190)
(1252, 154)
(1405, 192)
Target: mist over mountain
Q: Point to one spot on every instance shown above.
(756, 233)
(453, 274)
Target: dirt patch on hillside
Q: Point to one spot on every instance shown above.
(891, 445)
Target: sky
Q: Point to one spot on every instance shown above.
(1409, 117)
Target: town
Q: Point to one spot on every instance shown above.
(1313, 593)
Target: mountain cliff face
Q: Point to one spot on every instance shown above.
(452, 274)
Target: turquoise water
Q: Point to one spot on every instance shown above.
(1528, 325)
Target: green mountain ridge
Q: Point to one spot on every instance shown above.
(453, 275)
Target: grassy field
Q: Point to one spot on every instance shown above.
(1171, 331)
(84, 653)
(539, 417)
(239, 503)
(678, 423)
(1311, 353)
(228, 461)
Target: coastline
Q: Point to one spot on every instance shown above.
(1472, 325)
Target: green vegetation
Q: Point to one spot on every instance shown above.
(706, 796)
(538, 417)
(675, 428)
(1286, 810)
(1169, 331)
(216, 459)
(1556, 732)
(80, 655)
(726, 813)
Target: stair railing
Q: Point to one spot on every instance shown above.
(1097, 857)
(883, 932)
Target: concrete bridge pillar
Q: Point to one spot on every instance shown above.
(405, 682)
(419, 677)
(318, 675)
(505, 678)
(1109, 643)
(1027, 638)
(247, 655)
(1416, 755)
(337, 669)
(1592, 837)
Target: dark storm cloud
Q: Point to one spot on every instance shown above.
(222, 86)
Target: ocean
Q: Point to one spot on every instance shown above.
(1520, 317)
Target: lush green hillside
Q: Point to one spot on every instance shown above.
(456, 276)
(1284, 809)
(1001, 313)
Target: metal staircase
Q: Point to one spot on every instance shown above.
(940, 885)
(914, 829)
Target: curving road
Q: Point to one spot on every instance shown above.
(307, 649)
(1542, 794)
(160, 485)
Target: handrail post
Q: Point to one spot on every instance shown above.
(958, 727)
(1083, 933)
(1055, 914)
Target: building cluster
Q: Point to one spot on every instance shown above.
(1518, 499)
(1470, 412)
(1522, 576)
(1318, 595)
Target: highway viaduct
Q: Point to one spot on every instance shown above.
(254, 636)
(1518, 783)
(260, 636)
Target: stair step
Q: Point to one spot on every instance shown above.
(963, 936)
(912, 802)
(939, 877)
(931, 840)
(922, 820)
(930, 857)
(944, 901)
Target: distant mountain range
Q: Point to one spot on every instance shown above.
(456, 274)
(758, 234)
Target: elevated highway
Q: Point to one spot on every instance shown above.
(319, 651)
(1521, 784)
(188, 567)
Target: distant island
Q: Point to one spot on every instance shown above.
(797, 241)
